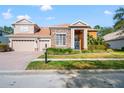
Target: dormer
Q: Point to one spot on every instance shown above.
(25, 26)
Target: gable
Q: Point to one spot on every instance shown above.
(79, 23)
(23, 21)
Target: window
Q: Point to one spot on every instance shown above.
(24, 28)
(60, 39)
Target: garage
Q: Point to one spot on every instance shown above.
(23, 45)
(42, 43)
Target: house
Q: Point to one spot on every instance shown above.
(28, 36)
(115, 39)
(3, 38)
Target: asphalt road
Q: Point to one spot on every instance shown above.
(63, 79)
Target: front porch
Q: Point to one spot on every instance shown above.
(79, 39)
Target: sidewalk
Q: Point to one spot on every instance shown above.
(79, 59)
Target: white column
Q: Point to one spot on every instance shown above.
(85, 38)
(72, 39)
(10, 42)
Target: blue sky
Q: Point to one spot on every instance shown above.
(50, 15)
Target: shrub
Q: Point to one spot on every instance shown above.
(109, 50)
(75, 52)
(59, 51)
(4, 47)
(93, 51)
(97, 47)
(86, 51)
(122, 48)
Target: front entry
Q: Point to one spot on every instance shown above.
(79, 39)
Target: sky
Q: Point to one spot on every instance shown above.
(46, 15)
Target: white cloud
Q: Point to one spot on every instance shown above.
(7, 15)
(23, 16)
(50, 18)
(46, 8)
(108, 12)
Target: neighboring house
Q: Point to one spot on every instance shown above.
(115, 39)
(3, 38)
(28, 36)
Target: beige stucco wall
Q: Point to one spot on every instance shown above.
(17, 29)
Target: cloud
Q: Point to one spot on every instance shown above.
(50, 18)
(7, 15)
(107, 12)
(46, 8)
(23, 16)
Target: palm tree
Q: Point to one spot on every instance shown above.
(119, 18)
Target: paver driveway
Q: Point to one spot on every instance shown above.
(16, 60)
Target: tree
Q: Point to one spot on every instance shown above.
(119, 19)
(6, 29)
(103, 30)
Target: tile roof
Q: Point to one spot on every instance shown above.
(43, 32)
(114, 36)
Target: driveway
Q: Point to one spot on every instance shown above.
(16, 60)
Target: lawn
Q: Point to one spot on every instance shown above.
(37, 65)
(115, 54)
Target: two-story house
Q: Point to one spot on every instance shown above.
(28, 36)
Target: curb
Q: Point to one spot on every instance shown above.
(36, 72)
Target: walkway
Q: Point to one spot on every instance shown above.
(80, 59)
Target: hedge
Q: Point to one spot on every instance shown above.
(61, 51)
(97, 47)
(3, 47)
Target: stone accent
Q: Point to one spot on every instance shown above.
(61, 30)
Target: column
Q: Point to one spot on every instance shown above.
(72, 38)
(85, 39)
(10, 43)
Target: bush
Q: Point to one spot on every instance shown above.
(97, 47)
(4, 47)
(59, 51)
(86, 51)
(93, 51)
(109, 50)
(122, 48)
(75, 52)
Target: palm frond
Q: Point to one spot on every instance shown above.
(119, 24)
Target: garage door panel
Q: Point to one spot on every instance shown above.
(23, 45)
(43, 42)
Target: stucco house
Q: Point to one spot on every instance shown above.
(115, 39)
(28, 36)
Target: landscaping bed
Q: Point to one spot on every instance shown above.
(37, 65)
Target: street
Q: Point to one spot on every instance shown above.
(62, 79)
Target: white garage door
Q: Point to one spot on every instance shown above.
(43, 42)
(23, 45)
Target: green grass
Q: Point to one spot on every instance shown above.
(117, 54)
(37, 65)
